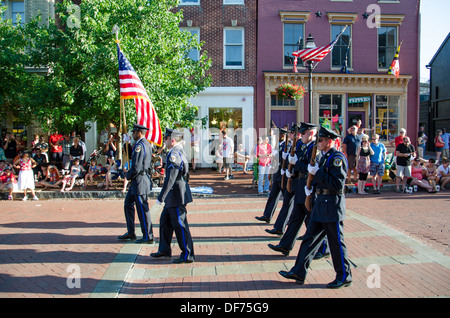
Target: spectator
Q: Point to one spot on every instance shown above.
(404, 152)
(83, 148)
(219, 158)
(431, 173)
(76, 151)
(424, 136)
(25, 165)
(228, 155)
(92, 171)
(34, 142)
(2, 154)
(66, 144)
(20, 143)
(8, 181)
(43, 146)
(9, 146)
(399, 139)
(110, 147)
(444, 172)
(55, 149)
(75, 172)
(377, 163)
(349, 147)
(445, 137)
(421, 144)
(417, 172)
(242, 157)
(363, 163)
(111, 169)
(438, 144)
(264, 154)
(40, 161)
(195, 149)
(52, 177)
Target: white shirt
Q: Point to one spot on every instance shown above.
(228, 147)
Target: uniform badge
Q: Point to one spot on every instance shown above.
(173, 158)
(138, 149)
(337, 162)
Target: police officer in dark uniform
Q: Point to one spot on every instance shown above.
(301, 160)
(327, 215)
(176, 194)
(140, 188)
(276, 192)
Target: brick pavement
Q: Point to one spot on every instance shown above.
(407, 236)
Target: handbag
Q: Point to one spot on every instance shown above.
(439, 144)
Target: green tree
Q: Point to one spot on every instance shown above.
(81, 55)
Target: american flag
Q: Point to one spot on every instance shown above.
(317, 54)
(131, 88)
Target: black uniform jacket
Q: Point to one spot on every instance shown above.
(141, 160)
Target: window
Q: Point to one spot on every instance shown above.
(233, 1)
(189, 2)
(18, 9)
(387, 45)
(387, 116)
(342, 49)
(274, 101)
(234, 48)
(293, 34)
(330, 111)
(194, 54)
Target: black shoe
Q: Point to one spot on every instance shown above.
(181, 260)
(127, 236)
(279, 248)
(160, 255)
(338, 284)
(274, 232)
(321, 255)
(144, 241)
(262, 218)
(289, 275)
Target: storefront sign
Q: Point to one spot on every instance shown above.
(362, 99)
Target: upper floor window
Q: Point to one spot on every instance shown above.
(342, 49)
(189, 2)
(194, 54)
(17, 12)
(293, 34)
(234, 48)
(387, 45)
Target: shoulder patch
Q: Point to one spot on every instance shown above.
(337, 162)
(173, 158)
(138, 148)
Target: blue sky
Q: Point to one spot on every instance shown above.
(435, 26)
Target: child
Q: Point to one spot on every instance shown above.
(111, 169)
(25, 165)
(8, 181)
(92, 171)
(75, 172)
(52, 177)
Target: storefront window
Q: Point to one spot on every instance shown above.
(387, 117)
(330, 112)
(220, 119)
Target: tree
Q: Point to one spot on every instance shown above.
(81, 56)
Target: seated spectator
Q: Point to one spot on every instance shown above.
(444, 172)
(431, 173)
(8, 181)
(242, 157)
(93, 170)
(40, 161)
(25, 165)
(111, 170)
(52, 177)
(417, 173)
(76, 151)
(43, 145)
(363, 163)
(75, 172)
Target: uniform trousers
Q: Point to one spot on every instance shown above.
(173, 219)
(143, 212)
(298, 215)
(285, 212)
(272, 201)
(313, 240)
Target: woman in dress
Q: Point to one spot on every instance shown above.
(363, 163)
(25, 165)
(438, 145)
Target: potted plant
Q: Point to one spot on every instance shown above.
(290, 91)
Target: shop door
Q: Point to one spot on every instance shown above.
(354, 116)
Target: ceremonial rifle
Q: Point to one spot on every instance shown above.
(283, 165)
(291, 166)
(308, 199)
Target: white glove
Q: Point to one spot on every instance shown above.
(293, 159)
(282, 171)
(307, 191)
(158, 202)
(288, 174)
(313, 169)
(284, 155)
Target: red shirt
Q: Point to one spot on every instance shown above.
(53, 139)
(4, 178)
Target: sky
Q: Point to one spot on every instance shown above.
(435, 26)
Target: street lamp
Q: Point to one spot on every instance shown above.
(310, 45)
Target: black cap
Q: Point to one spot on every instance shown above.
(306, 126)
(172, 132)
(139, 127)
(283, 131)
(327, 133)
(294, 128)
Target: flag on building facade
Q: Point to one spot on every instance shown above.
(394, 69)
(317, 54)
(344, 68)
(131, 88)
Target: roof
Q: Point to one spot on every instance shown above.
(439, 50)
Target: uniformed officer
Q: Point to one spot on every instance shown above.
(140, 188)
(300, 160)
(276, 191)
(176, 194)
(327, 215)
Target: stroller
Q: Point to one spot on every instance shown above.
(94, 156)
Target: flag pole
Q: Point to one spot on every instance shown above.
(115, 30)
